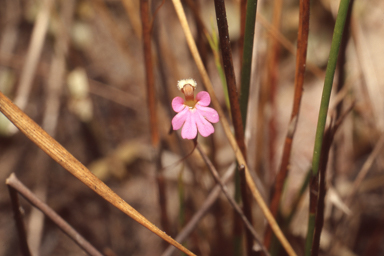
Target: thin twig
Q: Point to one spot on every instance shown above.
(232, 201)
(71, 164)
(239, 156)
(206, 205)
(19, 221)
(14, 184)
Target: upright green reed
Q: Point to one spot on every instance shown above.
(324, 105)
(247, 57)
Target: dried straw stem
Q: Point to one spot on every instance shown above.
(77, 169)
(239, 156)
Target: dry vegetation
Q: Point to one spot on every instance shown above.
(77, 69)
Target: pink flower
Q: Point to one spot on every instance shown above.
(194, 115)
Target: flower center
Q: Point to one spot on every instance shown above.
(190, 103)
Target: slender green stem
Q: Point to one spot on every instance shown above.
(330, 72)
(247, 57)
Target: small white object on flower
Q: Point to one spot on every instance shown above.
(182, 83)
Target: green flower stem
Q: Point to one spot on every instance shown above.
(247, 57)
(324, 105)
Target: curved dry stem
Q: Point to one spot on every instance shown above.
(58, 153)
(239, 156)
(232, 201)
(17, 186)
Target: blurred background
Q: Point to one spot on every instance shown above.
(76, 67)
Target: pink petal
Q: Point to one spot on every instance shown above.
(189, 130)
(178, 104)
(208, 113)
(179, 119)
(203, 98)
(205, 127)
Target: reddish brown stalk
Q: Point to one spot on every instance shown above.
(151, 100)
(243, 13)
(146, 23)
(226, 54)
(301, 56)
(15, 186)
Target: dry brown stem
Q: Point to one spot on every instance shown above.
(15, 184)
(77, 169)
(301, 57)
